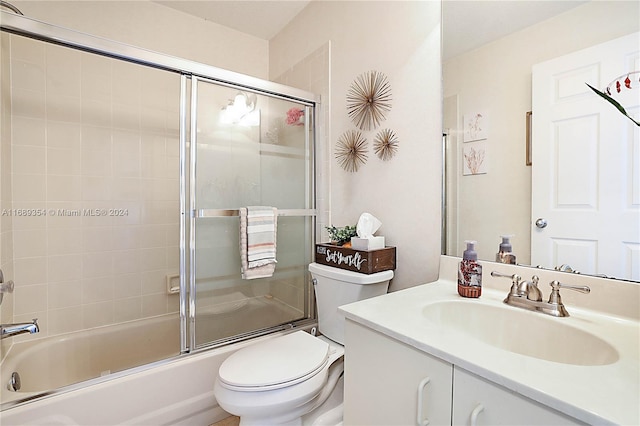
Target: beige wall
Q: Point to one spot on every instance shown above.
(158, 28)
(402, 40)
(496, 79)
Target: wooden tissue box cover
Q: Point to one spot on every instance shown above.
(362, 261)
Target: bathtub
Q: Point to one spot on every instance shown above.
(174, 391)
(59, 361)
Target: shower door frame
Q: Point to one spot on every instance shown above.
(195, 213)
(188, 70)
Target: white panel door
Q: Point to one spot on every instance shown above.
(585, 177)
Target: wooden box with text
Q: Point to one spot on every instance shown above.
(362, 261)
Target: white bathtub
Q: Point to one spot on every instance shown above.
(59, 361)
(172, 392)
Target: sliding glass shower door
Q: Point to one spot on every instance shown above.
(247, 149)
(122, 176)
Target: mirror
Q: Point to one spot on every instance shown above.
(489, 49)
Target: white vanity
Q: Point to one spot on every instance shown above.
(427, 355)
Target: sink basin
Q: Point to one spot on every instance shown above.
(520, 331)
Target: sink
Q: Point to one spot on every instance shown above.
(522, 332)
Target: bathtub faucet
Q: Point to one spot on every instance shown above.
(8, 330)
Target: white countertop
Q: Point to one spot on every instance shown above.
(607, 394)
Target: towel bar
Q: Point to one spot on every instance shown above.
(203, 213)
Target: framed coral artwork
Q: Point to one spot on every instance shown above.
(474, 158)
(476, 126)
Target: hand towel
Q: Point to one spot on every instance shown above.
(258, 230)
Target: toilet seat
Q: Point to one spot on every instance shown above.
(275, 363)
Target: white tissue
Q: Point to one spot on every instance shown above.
(366, 227)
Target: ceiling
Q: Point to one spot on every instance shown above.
(470, 24)
(467, 24)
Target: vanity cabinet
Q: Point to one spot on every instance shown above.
(477, 401)
(390, 383)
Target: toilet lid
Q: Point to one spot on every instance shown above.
(274, 363)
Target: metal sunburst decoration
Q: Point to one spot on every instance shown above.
(385, 144)
(351, 151)
(369, 100)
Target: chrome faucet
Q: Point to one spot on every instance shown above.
(8, 330)
(527, 295)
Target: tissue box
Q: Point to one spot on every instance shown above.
(362, 261)
(373, 243)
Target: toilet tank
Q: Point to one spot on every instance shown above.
(335, 287)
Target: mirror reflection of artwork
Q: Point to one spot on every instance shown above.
(475, 126)
(474, 158)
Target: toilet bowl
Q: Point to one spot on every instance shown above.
(297, 368)
(279, 380)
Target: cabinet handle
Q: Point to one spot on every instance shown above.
(421, 387)
(474, 414)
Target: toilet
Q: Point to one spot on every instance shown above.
(279, 380)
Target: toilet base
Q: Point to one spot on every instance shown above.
(327, 414)
(306, 414)
(331, 412)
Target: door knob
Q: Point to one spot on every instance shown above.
(541, 222)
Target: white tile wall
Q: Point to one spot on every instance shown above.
(90, 133)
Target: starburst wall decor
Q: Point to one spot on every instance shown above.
(385, 144)
(369, 100)
(351, 150)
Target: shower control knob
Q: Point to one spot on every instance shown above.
(541, 222)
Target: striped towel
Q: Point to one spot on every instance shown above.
(258, 227)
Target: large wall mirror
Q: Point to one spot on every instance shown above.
(489, 51)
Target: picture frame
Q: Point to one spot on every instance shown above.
(475, 126)
(474, 158)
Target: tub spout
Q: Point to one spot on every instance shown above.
(8, 330)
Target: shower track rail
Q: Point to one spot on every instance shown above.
(39, 30)
(204, 213)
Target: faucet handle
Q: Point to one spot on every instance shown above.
(554, 297)
(515, 281)
(515, 278)
(581, 288)
(7, 287)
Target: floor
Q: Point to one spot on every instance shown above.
(229, 421)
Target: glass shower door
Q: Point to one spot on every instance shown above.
(247, 149)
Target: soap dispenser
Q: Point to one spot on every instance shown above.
(505, 254)
(470, 273)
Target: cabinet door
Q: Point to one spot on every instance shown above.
(479, 402)
(384, 379)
